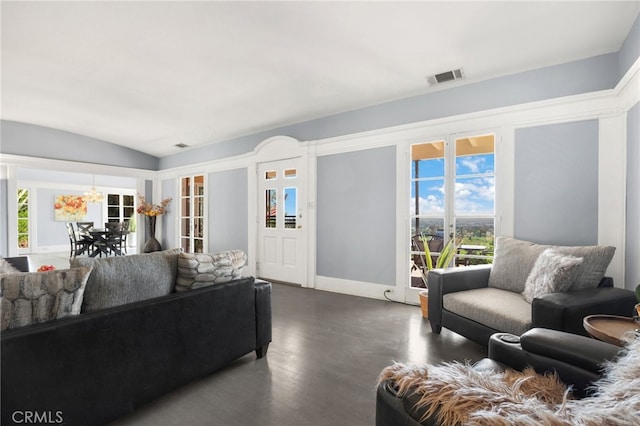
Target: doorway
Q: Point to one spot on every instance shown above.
(281, 243)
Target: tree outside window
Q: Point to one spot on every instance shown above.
(23, 218)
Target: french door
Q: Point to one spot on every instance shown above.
(192, 214)
(280, 221)
(452, 200)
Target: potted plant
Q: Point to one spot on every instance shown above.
(444, 260)
(131, 238)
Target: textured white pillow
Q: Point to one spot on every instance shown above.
(553, 272)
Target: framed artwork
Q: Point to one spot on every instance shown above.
(70, 208)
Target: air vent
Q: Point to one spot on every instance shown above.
(181, 145)
(443, 77)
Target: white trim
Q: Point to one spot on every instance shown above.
(403, 196)
(354, 288)
(279, 148)
(612, 191)
(74, 167)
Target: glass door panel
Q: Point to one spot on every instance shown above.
(192, 214)
(290, 207)
(474, 200)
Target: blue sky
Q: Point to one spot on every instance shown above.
(474, 189)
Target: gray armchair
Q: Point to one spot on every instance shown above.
(562, 311)
(528, 285)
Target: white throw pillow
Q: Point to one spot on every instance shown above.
(553, 272)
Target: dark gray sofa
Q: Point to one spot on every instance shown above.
(95, 367)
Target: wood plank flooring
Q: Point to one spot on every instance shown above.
(321, 368)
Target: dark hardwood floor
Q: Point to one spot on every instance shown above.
(321, 368)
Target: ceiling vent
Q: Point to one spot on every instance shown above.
(443, 77)
(181, 145)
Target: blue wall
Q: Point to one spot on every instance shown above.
(556, 184)
(356, 216)
(36, 141)
(630, 50)
(228, 210)
(587, 75)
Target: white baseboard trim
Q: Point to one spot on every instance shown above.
(353, 288)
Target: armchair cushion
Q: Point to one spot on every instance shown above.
(514, 259)
(498, 309)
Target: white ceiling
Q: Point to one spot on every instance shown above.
(148, 75)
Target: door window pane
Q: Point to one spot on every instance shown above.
(270, 174)
(427, 197)
(474, 199)
(271, 208)
(290, 207)
(290, 173)
(186, 187)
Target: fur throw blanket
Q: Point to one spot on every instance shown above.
(458, 394)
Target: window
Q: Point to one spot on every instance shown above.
(23, 218)
(452, 198)
(120, 207)
(284, 190)
(192, 214)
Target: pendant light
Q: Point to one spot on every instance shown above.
(93, 196)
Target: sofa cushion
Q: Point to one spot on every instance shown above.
(33, 297)
(202, 269)
(499, 309)
(514, 259)
(552, 272)
(120, 280)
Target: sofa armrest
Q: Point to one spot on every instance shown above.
(450, 280)
(566, 310)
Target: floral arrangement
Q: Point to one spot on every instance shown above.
(149, 209)
(45, 268)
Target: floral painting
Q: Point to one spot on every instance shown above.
(70, 208)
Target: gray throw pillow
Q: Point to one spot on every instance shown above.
(201, 269)
(119, 280)
(33, 297)
(512, 262)
(553, 272)
(514, 259)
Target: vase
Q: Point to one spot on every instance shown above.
(152, 243)
(424, 303)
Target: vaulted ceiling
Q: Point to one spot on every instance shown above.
(149, 75)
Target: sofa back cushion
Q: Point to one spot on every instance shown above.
(33, 297)
(514, 259)
(202, 269)
(119, 280)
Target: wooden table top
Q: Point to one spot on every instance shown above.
(610, 328)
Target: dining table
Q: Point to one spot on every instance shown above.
(103, 242)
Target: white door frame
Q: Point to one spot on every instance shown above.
(275, 149)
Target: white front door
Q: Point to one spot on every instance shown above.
(281, 244)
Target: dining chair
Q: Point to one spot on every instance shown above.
(83, 229)
(114, 237)
(78, 245)
(125, 233)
